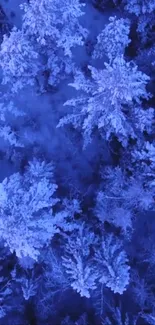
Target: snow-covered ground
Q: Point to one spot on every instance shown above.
(13, 11)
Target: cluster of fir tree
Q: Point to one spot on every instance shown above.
(77, 241)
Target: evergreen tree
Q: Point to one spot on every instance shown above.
(27, 221)
(18, 60)
(107, 101)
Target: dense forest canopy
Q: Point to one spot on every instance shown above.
(77, 158)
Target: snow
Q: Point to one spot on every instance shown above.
(48, 107)
(13, 11)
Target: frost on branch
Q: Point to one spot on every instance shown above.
(144, 156)
(26, 281)
(112, 265)
(140, 7)
(9, 136)
(118, 318)
(77, 261)
(27, 222)
(113, 39)
(121, 197)
(54, 30)
(145, 12)
(107, 100)
(143, 119)
(28, 288)
(18, 60)
(150, 318)
(54, 280)
(145, 25)
(9, 113)
(146, 60)
(47, 21)
(112, 203)
(39, 20)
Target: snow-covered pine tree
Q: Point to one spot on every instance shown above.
(18, 60)
(55, 29)
(143, 157)
(9, 113)
(107, 101)
(121, 197)
(112, 264)
(113, 39)
(27, 222)
(145, 12)
(77, 261)
(50, 23)
(139, 7)
(146, 23)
